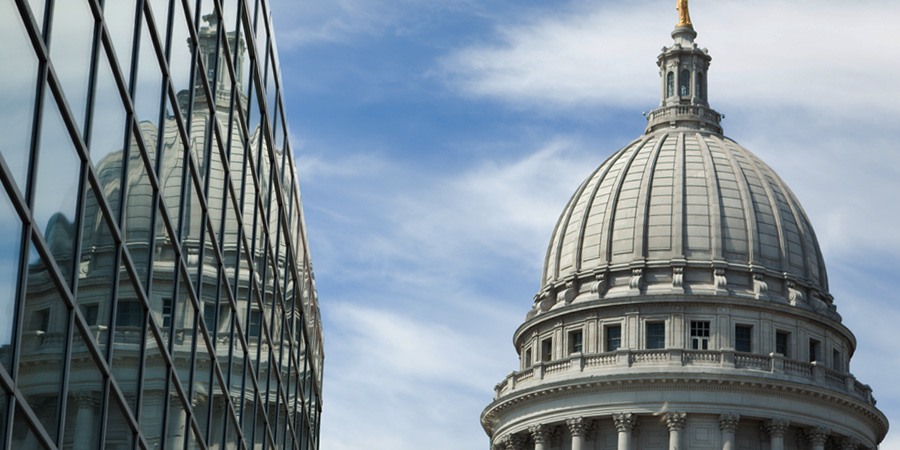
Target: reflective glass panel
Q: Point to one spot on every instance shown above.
(70, 51)
(56, 187)
(10, 243)
(17, 91)
(84, 398)
(119, 435)
(43, 339)
(128, 336)
(183, 338)
(139, 209)
(23, 437)
(119, 17)
(96, 270)
(155, 391)
(108, 129)
(181, 53)
(148, 91)
(177, 426)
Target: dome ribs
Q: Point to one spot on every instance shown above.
(799, 219)
(698, 213)
(714, 194)
(642, 217)
(753, 165)
(753, 253)
(606, 239)
(551, 262)
(589, 203)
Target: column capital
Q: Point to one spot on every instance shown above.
(625, 421)
(817, 435)
(776, 427)
(676, 420)
(85, 399)
(513, 442)
(578, 426)
(729, 422)
(850, 443)
(540, 433)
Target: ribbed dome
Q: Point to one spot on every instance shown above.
(685, 198)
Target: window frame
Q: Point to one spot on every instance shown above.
(738, 339)
(658, 341)
(606, 337)
(700, 335)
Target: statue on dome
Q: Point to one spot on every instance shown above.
(684, 17)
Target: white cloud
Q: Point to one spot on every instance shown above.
(831, 59)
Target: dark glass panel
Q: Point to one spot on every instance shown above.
(56, 188)
(23, 437)
(177, 424)
(128, 336)
(17, 92)
(119, 434)
(119, 17)
(231, 436)
(4, 404)
(108, 129)
(154, 393)
(138, 204)
(271, 88)
(85, 398)
(192, 222)
(10, 245)
(96, 270)
(43, 343)
(70, 51)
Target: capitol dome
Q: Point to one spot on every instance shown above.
(683, 303)
(685, 210)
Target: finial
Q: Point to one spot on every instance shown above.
(684, 16)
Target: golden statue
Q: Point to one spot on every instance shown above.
(684, 17)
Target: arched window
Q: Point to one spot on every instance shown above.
(670, 84)
(701, 87)
(685, 83)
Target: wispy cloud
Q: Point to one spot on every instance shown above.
(834, 58)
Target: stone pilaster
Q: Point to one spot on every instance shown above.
(728, 423)
(84, 419)
(776, 428)
(676, 422)
(578, 428)
(540, 434)
(625, 423)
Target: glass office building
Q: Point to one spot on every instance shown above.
(155, 285)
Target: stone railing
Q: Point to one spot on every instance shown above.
(623, 360)
(675, 113)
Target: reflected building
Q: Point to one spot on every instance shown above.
(155, 285)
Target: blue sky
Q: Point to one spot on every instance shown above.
(439, 141)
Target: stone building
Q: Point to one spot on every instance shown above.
(684, 303)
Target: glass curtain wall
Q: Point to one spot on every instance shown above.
(155, 285)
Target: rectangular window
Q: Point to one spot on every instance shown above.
(743, 338)
(40, 320)
(576, 339)
(254, 326)
(814, 346)
(129, 314)
(781, 342)
(613, 337)
(699, 335)
(166, 313)
(209, 317)
(547, 349)
(90, 313)
(528, 357)
(837, 363)
(656, 335)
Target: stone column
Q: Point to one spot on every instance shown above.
(728, 423)
(850, 443)
(817, 436)
(625, 422)
(540, 434)
(513, 442)
(675, 421)
(578, 428)
(776, 429)
(84, 420)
